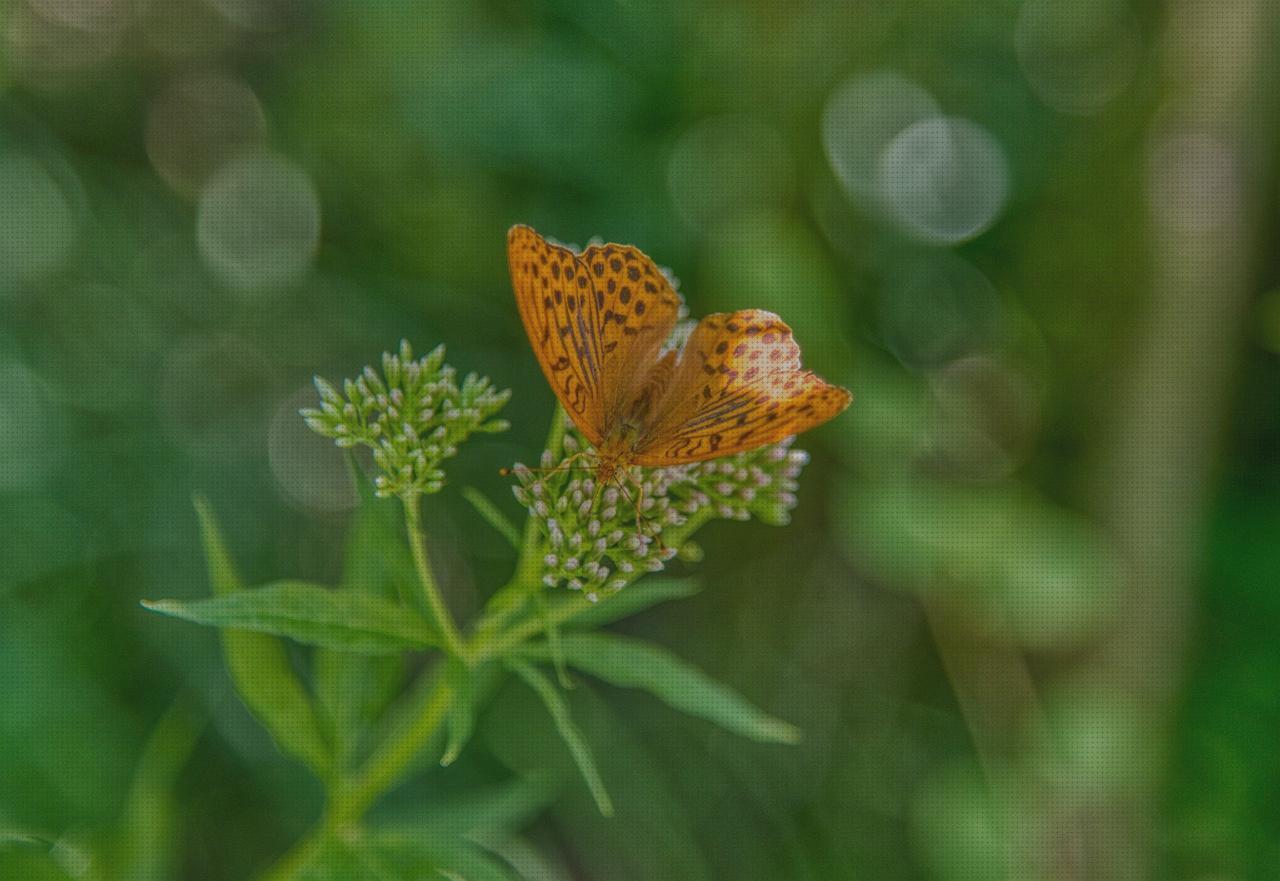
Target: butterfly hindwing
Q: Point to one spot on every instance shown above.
(561, 317)
(738, 386)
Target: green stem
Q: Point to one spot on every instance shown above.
(429, 706)
(511, 600)
(509, 640)
(350, 798)
(490, 642)
(394, 755)
(435, 602)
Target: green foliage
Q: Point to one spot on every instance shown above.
(142, 847)
(311, 614)
(354, 690)
(492, 515)
(260, 667)
(635, 599)
(631, 663)
(461, 720)
(569, 733)
(346, 734)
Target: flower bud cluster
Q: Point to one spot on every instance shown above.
(599, 539)
(413, 416)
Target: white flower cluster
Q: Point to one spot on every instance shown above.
(601, 538)
(412, 416)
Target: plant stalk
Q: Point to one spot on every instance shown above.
(440, 614)
(494, 637)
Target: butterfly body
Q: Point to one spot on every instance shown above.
(599, 321)
(617, 453)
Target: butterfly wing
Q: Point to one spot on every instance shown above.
(561, 316)
(738, 386)
(638, 309)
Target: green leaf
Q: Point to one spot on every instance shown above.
(568, 732)
(449, 860)
(355, 690)
(311, 614)
(378, 856)
(376, 557)
(633, 663)
(260, 667)
(552, 631)
(461, 718)
(143, 846)
(31, 866)
(632, 599)
(482, 813)
(492, 515)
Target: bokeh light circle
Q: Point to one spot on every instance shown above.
(197, 124)
(1078, 55)
(258, 222)
(935, 307)
(39, 223)
(28, 451)
(309, 469)
(215, 396)
(85, 15)
(1064, 584)
(726, 166)
(48, 50)
(99, 346)
(985, 416)
(944, 179)
(1195, 182)
(256, 15)
(861, 118)
(958, 824)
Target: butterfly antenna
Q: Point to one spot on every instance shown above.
(548, 472)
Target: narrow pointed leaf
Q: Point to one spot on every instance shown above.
(355, 690)
(376, 558)
(492, 515)
(142, 848)
(633, 663)
(569, 733)
(454, 860)
(461, 719)
(483, 813)
(312, 614)
(260, 667)
(632, 599)
(552, 631)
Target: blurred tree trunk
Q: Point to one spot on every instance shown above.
(1208, 186)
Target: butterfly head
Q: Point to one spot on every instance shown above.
(607, 469)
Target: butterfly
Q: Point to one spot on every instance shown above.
(600, 320)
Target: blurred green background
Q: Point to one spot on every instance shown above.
(1025, 614)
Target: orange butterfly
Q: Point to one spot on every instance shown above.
(598, 321)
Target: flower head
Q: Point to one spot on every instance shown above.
(601, 538)
(413, 416)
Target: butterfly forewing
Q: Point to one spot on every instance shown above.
(637, 310)
(738, 386)
(561, 317)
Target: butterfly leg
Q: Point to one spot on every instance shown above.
(657, 532)
(638, 501)
(623, 477)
